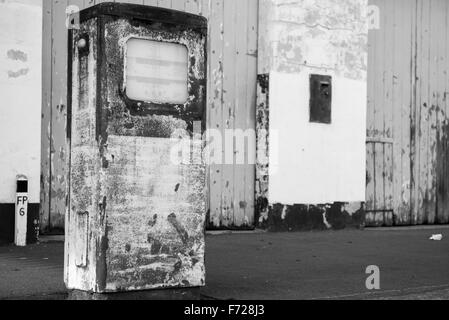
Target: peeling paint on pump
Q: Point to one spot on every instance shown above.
(144, 215)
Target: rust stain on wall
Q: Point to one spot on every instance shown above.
(19, 73)
(17, 55)
(442, 173)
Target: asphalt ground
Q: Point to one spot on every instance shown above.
(272, 266)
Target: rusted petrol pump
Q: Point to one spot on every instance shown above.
(137, 86)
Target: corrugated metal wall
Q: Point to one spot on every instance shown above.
(231, 103)
(408, 125)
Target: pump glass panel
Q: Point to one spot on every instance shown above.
(156, 71)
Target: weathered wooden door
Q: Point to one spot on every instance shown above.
(407, 149)
(232, 74)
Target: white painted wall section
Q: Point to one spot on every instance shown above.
(20, 96)
(314, 163)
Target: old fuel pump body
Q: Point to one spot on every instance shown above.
(137, 86)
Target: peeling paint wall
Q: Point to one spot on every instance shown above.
(263, 157)
(312, 165)
(233, 30)
(322, 35)
(20, 91)
(232, 72)
(408, 84)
